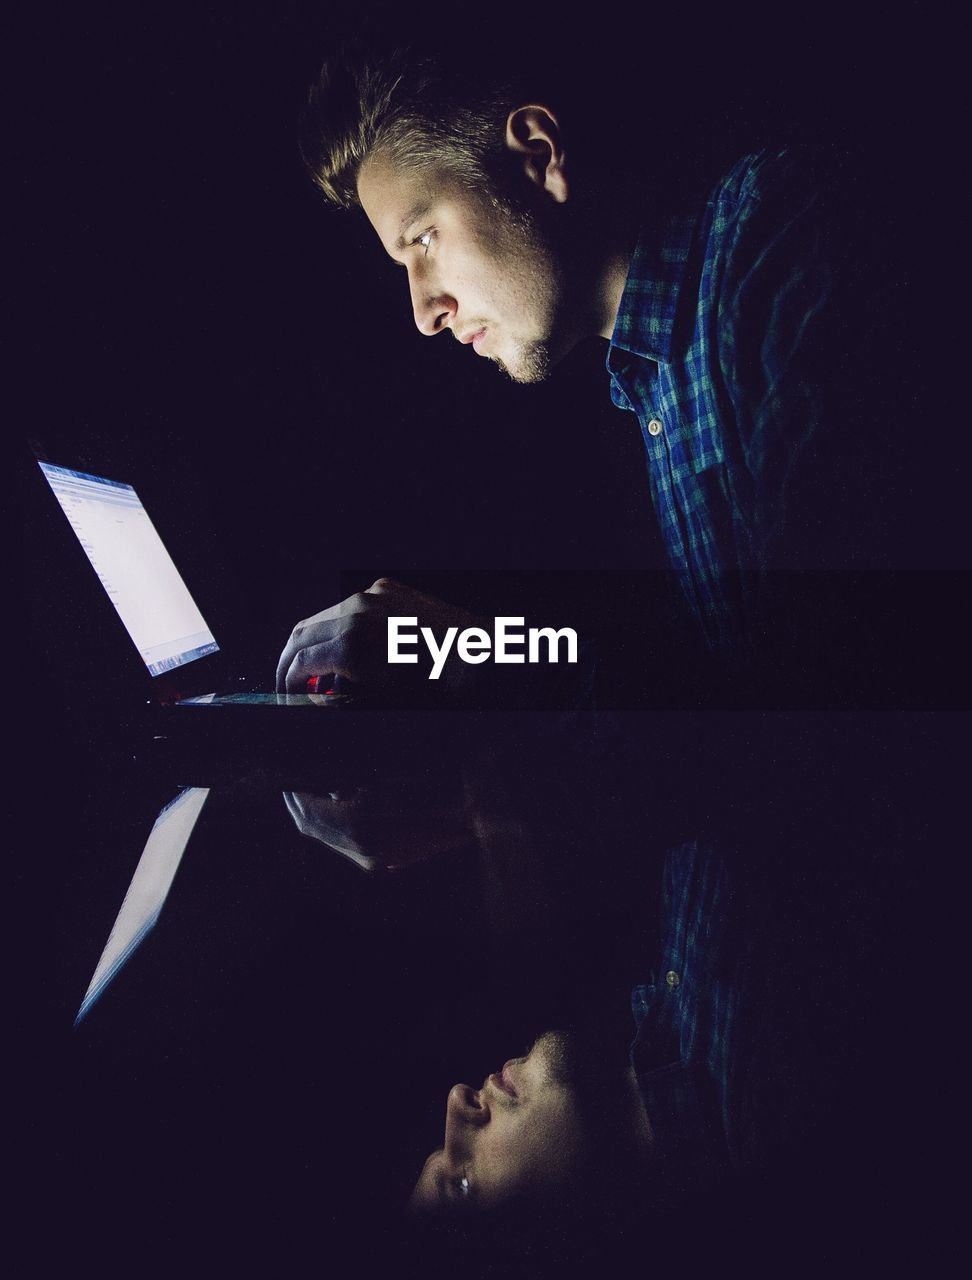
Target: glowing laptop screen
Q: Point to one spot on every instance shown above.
(135, 569)
(149, 888)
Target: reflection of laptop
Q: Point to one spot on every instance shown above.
(148, 890)
(149, 594)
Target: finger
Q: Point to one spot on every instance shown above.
(322, 627)
(381, 586)
(284, 661)
(294, 809)
(304, 635)
(326, 659)
(313, 661)
(413, 598)
(302, 813)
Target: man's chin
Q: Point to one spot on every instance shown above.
(535, 362)
(528, 364)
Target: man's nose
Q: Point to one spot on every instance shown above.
(465, 1110)
(433, 311)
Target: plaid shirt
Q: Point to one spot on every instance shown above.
(716, 350)
(687, 1015)
(740, 1044)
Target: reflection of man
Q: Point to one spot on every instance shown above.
(387, 823)
(531, 1132)
(522, 241)
(706, 1090)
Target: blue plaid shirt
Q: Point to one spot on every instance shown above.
(699, 1018)
(742, 1040)
(716, 350)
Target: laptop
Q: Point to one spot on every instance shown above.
(174, 642)
(203, 719)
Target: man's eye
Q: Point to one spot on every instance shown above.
(425, 240)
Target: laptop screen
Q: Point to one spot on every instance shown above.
(135, 569)
(149, 888)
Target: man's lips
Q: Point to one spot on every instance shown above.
(503, 1080)
(475, 336)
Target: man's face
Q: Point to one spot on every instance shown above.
(489, 276)
(518, 1135)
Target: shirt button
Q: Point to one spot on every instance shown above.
(672, 979)
(654, 427)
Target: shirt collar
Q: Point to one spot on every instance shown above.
(645, 324)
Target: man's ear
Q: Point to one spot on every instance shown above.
(533, 134)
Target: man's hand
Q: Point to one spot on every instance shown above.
(392, 823)
(351, 640)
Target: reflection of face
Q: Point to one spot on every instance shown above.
(473, 267)
(522, 1134)
(515, 1134)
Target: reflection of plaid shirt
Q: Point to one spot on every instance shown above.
(715, 349)
(699, 1017)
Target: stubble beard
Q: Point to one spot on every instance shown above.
(532, 360)
(533, 364)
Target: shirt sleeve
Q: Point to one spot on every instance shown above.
(779, 332)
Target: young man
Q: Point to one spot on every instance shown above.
(518, 225)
